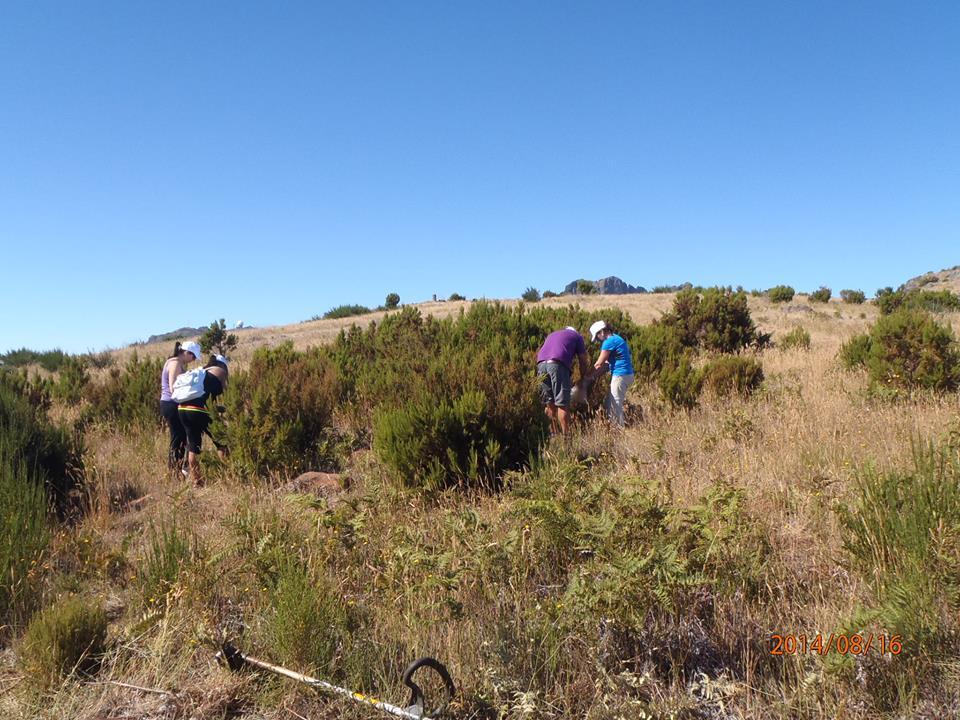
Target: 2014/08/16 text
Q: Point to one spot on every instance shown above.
(835, 642)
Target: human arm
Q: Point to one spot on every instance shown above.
(585, 371)
(602, 360)
(172, 371)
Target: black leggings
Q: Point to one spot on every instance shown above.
(178, 436)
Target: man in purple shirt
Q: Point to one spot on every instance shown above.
(554, 365)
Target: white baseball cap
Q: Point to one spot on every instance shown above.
(595, 328)
(192, 347)
(221, 358)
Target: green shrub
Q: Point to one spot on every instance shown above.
(907, 350)
(900, 534)
(216, 339)
(169, 551)
(24, 534)
(781, 294)
(854, 352)
(66, 638)
(308, 622)
(345, 311)
(929, 300)
(729, 374)
(717, 320)
(586, 287)
(549, 294)
(531, 294)
(436, 445)
(680, 384)
(73, 379)
(279, 412)
(822, 295)
(392, 301)
(798, 338)
(49, 360)
(129, 396)
(456, 297)
(853, 297)
(653, 348)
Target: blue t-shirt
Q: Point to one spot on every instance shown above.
(620, 361)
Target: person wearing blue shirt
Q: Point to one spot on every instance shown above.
(615, 354)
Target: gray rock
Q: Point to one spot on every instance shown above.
(943, 280)
(182, 333)
(606, 286)
(794, 309)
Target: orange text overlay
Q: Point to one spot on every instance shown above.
(835, 642)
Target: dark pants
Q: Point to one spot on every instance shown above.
(178, 436)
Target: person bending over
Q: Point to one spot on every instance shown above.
(195, 416)
(554, 367)
(177, 363)
(615, 353)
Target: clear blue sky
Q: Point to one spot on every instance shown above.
(164, 164)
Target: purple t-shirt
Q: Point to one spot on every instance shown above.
(563, 346)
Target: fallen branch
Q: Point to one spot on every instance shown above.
(155, 691)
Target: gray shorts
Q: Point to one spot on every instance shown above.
(555, 383)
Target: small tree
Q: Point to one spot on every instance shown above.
(585, 287)
(531, 294)
(548, 294)
(780, 294)
(822, 295)
(217, 338)
(455, 297)
(854, 297)
(392, 301)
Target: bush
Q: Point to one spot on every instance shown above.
(854, 352)
(49, 360)
(900, 535)
(72, 384)
(64, 639)
(436, 445)
(549, 294)
(129, 396)
(531, 294)
(729, 374)
(345, 311)
(781, 294)
(853, 297)
(798, 338)
(586, 287)
(392, 301)
(455, 297)
(929, 300)
(680, 385)
(217, 338)
(309, 624)
(822, 295)
(169, 551)
(279, 412)
(717, 320)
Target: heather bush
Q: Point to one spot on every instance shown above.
(345, 311)
(781, 294)
(49, 360)
(531, 294)
(392, 301)
(853, 297)
(586, 287)
(798, 339)
(728, 374)
(854, 352)
(929, 300)
(66, 638)
(680, 384)
(716, 319)
(129, 396)
(279, 412)
(71, 384)
(910, 350)
(457, 297)
(216, 339)
(169, 552)
(822, 295)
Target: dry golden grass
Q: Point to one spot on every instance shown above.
(795, 448)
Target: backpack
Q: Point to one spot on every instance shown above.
(188, 385)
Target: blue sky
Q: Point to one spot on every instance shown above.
(165, 164)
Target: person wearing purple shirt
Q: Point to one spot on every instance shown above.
(554, 367)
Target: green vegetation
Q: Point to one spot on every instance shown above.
(822, 295)
(781, 294)
(531, 294)
(853, 297)
(345, 311)
(455, 297)
(732, 374)
(549, 294)
(128, 395)
(392, 301)
(586, 287)
(716, 320)
(889, 301)
(66, 638)
(796, 339)
(49, 360)
(906, 350)
(216, 338)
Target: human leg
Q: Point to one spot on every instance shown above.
(615, 399)
(178, 437)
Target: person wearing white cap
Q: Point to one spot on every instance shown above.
(175, 364)
(194, 414)
(615, 354)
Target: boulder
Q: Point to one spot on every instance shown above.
(606, 286)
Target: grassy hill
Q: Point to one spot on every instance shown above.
(634, 573)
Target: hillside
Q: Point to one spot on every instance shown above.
(623, 573)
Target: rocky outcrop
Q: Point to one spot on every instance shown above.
(606, 286)
(181, 334)
(948, 279)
